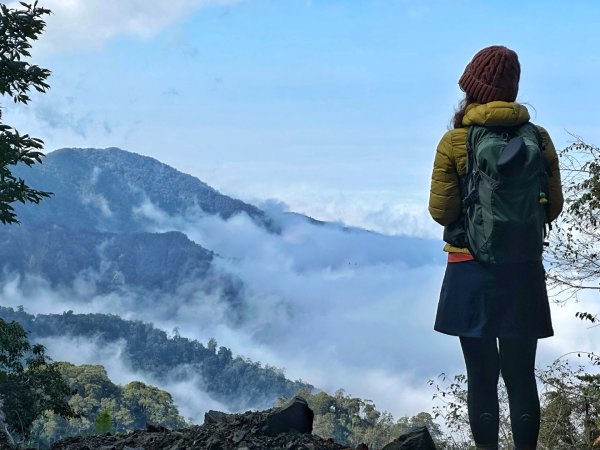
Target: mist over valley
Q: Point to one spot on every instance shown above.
(127, 235)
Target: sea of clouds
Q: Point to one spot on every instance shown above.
(339, 308)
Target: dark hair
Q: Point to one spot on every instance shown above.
(459, 113)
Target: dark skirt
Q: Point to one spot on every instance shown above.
(505, 301)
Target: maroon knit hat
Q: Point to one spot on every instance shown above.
(493, 74)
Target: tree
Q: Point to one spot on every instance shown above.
(451, 395)
(351, 420)
(212, 345)
(104, 406)
(29, 383)
(17, 78)
(148, 404)
(569, 401)
(103, 423)
(570, 407)
(575, 249)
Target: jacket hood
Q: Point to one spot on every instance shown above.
(495, 114)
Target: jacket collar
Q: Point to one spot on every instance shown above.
(495, 114)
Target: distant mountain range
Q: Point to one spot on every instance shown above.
(145, 240)
(160, 261)
(102, 222)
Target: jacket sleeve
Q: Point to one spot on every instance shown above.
(555, 186)
(444, 195)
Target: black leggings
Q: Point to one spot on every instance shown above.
(516, 361)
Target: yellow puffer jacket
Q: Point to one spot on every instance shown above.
(451, 159)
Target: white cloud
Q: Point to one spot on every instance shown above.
(387, 211)
(81, 24)
(332, 307)
(571, 334)
(185, 386)
(337, 309)
(98, 201)
(384, 212)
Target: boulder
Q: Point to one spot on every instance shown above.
(214, 417)
(417, 439)
(294, 415)
(156, 428)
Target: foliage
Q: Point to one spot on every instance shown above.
(17, 78)
(29, 383)
(5, 437)
(104, 406)
(570, 410)
(232, 380)
(575, 248)
(103, 423)
(132, 262)
(451, 395)
(570, 418)
(351, 421)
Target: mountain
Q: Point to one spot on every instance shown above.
(107, 190)
(125, 234)
(231, 380)
(99, 225)
(153, 261)
(118, 219)
(124, 408)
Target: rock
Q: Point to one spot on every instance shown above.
(154, 428)
(214, 417)
(248, 431)
(214, 443)
(294, 415)
(362, 447)
(239, 435)
(417, 439)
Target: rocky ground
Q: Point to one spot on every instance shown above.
(285, 428)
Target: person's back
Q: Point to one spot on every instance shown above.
(489, 304)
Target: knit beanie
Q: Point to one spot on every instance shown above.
(493, 74)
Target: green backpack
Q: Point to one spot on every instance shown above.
(505, 194)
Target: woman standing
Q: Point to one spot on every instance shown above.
(499, 311)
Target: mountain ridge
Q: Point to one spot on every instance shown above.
(126, 181)
(232, 380)
(160, 261)
(104, 196)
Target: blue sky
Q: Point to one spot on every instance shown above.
(332, 107)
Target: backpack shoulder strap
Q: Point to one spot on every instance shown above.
(540, 138)
(471, 172)
(542, 145)
(536, 131)
(547, 170)
(471, 160)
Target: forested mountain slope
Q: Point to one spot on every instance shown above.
(231, 380)
(104, 406)
(122, 220)
(153, 261)
(108, 189)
